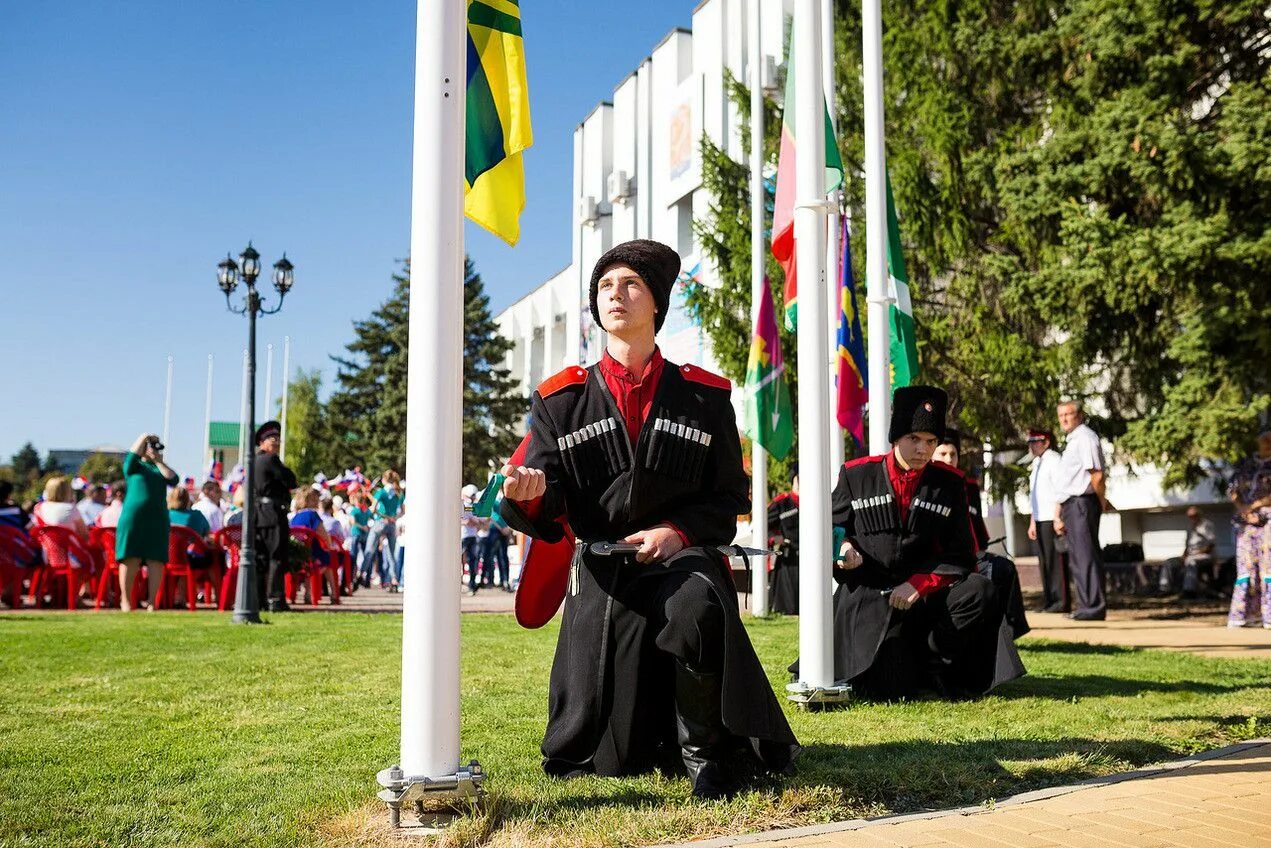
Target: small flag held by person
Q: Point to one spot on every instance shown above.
(769, 417)
(852, 374)
(497, 118)
(904, 342)
(783, 249)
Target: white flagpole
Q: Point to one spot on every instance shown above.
(434, 399)
(876, 230)
(833, 249)
(268, 405)
(758, 456)
(167, 406)
(816, 664)
(286, 386)
(207, 418)
(244, 437)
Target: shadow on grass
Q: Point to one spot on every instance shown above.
(906, 776)
(1076, 648)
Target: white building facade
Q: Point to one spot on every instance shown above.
(637, 174)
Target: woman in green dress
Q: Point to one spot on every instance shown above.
(142, 536)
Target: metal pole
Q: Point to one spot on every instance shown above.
(833, 249)
(167, 406)
(879, 331)
(286, 386)
(242, 416)
(246, 604)
(758, 456)
(269, 380)
(207, 418)
(434, 398)
(816, 663)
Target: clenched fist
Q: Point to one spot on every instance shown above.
(849, 557)
(523, 484)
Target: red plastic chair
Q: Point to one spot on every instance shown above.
(231, 539)
(66, 560)
(340, 567)
(181, 542)
(16, 552)
(308, 570)
(102, 540)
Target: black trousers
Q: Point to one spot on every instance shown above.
(1054, 568)
(684, 618)
(960, 622)
(271, 560)
(1085, 557)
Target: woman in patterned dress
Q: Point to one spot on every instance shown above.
(1250, 491)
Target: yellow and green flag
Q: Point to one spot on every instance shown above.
(497, 118)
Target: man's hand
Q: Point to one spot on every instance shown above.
(523, 484)
(1059, 526)
(903, 596)
(1032, 529)
(656, 544)
(1107, 505)
(849, 557)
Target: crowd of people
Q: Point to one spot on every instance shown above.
(365, 519)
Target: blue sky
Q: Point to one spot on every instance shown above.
(142, 139)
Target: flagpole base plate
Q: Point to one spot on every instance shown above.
(817, 698)
(436, 801)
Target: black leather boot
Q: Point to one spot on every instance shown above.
(702, 736)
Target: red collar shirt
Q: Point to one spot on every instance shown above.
(634, 398)
(905, 483)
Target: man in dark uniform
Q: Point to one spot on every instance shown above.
(910, 613)
(652, 658)
(1000, 569)
(783, 523)
(273, 483)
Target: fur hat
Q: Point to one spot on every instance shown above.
(657, 264)
(917, 409)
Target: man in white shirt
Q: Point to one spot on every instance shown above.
(1198, 554)
(1081, 501)
(93, 504)
(209, 504)
(1043, 497)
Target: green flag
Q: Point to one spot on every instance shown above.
(769, 418)
(904, 344)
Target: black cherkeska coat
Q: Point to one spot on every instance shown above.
(935, 538)
(783, 521)
(610, 705)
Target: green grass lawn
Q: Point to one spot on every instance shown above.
(179, 729)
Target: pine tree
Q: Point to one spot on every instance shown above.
(1084, 201)
(366, 415)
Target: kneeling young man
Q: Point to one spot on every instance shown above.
(910, 613)
(652, 657)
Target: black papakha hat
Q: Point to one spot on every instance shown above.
(269, 428)
(952, 437)
(657, 264)
(917, 409)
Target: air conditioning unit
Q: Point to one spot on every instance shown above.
(590, 211)
(618, 187)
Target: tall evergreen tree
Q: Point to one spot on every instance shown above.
(1084, 201)
(366, 414)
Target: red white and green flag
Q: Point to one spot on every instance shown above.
(904, 343)
(769, 418)
(783, 210)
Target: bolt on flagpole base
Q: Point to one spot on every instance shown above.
(432, 797)
(817, 698)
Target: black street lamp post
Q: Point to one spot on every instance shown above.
(246, 604)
